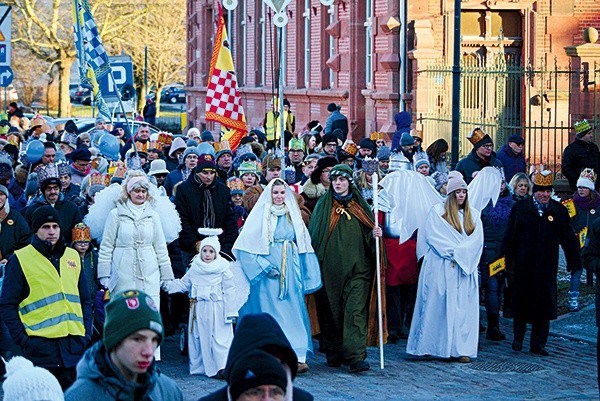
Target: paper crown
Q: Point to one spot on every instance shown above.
(63, 169)
(370, 166)
(376, 136)
(164, 139)
(225, 145)
(582, 126)
(476, 136)
(589, 174)
(142, 147)
(541, 177)
(37, 122)
(236, 185)
(46, 172)
(243, 150)
(99, 179)
(81, 233)
(296, 143)
(350, 147)
(69, 138)
(120, 172)
(249, 167)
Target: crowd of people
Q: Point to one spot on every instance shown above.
(102, 231)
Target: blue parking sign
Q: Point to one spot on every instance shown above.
(122, 72)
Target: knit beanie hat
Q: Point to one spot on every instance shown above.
(331, 107)
(384, 153)
(367, 143)
(25, 382)
(406, 139)
(42, 215)
(455, 181)
(4, 190)
(128, 312)
(6, 172)
(205, 162)
(206, 136)
(257, 368)
(191, 150)
(421, 162)
(213, 242)
(342, 170)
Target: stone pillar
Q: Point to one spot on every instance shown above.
(585, 61)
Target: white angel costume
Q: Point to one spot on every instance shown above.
(275, 252)
(446, 317)
(212, 290)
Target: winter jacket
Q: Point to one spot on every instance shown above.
(190, 204)
(72, 192)
(403, 122)
(133, 251)
(14, 234)
(577, 156)
(512, 163)
(99, 380)
(45, 352)
(259, 331)
(591, 259)
(16, 198)
(68, 213)
(531, 244)
(172, 179)
(494, 220)
(473, 163)
(336, 120)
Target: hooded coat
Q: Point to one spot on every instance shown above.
(259, 331)
(403, 121)
(99, 380)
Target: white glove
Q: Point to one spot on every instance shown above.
(166, 285)
(104, 281)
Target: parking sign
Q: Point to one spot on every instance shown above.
(122, 73)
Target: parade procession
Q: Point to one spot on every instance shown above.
(319, 200)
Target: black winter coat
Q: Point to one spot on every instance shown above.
(472, 163)
(494, 220)
(577, 156)
(68, 213)
(531, 245)
(44, 352)
(14, 234)
(590, 256)
(189, 202)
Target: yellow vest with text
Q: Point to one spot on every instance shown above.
(273, 127)
(53, 307)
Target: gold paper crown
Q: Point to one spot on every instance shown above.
(81, 233)
(99, 179)
(235, 184)
(37, 122)
(142, 147)
(350, 147)
(376, 136)
(476, 136)
(164, 139)
(225, 145)
(589, 174)
(120, 172)
(543, 178)
(582, 126)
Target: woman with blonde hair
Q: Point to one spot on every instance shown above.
(133, 252)
(446, 317)
(521, 186)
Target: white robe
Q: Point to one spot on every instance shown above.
(446, 317)
(210, 330)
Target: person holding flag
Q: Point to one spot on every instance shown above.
(223, 99)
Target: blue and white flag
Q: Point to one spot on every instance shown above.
(93, 60)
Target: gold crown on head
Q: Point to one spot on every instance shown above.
(99, 179)
(542, 178)
(120, 172)
(350, 147)
(235, 184)
(81, 233)
(476, 136)
(376, 136)
(589, 174)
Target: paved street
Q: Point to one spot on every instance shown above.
(498, 373)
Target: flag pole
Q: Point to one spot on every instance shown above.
(375, 184)
(280, 96)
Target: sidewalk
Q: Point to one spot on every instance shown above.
(498, 373)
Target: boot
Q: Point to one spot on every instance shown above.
(573, 301)
(493, 331)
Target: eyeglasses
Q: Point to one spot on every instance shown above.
(488, 146)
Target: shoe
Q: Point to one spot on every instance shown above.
(573, 301)
(464, 359)
(359, 366)
(219, 375)
(540, 351)
(393, 338)
(302, 367)
(517, 345)
(495, 334)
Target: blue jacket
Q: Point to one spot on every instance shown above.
(512, 163)
(403, 121)
(45, 352)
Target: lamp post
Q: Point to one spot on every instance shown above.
(456, 72)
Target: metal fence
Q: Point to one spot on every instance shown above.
(505, 97)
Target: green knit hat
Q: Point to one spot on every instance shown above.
(128, 312)
(342, 170)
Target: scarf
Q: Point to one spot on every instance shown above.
(185, 173)
(586, 204)
(208, 209)
(136, 210)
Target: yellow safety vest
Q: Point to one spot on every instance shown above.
(53, 307)
(273, 129)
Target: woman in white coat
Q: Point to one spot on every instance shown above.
(133, 252)
(446, 317)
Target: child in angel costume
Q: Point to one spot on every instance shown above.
(214, 290)
(445, 321)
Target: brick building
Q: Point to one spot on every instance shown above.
(350, 54)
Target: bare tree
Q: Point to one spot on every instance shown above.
(45, 28)
(31, 78)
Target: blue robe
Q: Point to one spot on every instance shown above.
(283, 298)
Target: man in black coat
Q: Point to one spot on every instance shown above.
(591, 260)
(481, 156)
(581, 153)
(536, 228)
(260, 332)
(204, 202)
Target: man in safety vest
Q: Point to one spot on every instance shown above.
(272, 123)
(45, 300)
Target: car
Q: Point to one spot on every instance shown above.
(174, 95)
(72, 90)
(86, 125)
(83, 96)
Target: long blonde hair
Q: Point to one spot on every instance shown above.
(451, 208)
